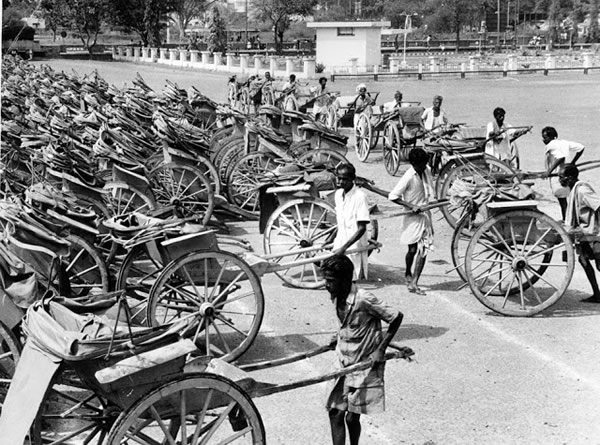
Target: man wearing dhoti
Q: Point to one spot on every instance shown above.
(414, 190)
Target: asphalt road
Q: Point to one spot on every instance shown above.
(478, 378)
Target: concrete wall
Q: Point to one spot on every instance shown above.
(334, 50)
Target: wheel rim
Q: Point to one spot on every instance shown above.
(210, 171)
(244, 180)
(122, 199)
(476, 174)
(137, 275)
(391, 149)
(507, 257)
(322, 157)
(295, 225)
(363, 135)
(85, 268)
(72, 414)
(466, 226)
(199, 407)
(185, 188)
(222, 289)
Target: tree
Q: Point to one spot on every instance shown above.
(83, 16)
(557, 11)
(144, 17)
(594, 33)
(279, 14)
(217, 39)
(185, 11)
(453, 15)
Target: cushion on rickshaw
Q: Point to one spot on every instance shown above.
(471, 133)
(411, 115)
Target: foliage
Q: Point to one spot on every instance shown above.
(13, 26)
(452, 15)
(144, 17)
(280, 13)
(84, 16)
(217, 39)
(319, 68)
(186, 10)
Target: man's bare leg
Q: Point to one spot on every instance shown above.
(338, 427)
(410, 258)
(353, 423)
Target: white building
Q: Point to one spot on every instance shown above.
(339, 43)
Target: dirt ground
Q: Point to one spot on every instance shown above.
(478, 377)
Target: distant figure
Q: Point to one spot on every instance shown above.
(321, 93)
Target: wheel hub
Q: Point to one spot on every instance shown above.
(306, 243)
(207, 310)
(174, 201)
(519, 263)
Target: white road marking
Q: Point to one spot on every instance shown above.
(558, 364)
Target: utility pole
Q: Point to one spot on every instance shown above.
(498, 25)
(246, 23)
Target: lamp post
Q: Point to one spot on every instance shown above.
(498, 25)
(406, 30)
(246, 23)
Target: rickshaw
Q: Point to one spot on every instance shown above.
(92, 379)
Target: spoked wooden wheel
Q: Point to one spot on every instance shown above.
(299, 224)
(323, 157)
(209, 170)
(122, 198)
(206, 119)
(474, 175)
(507, 257)
(10, 352)
(185, 188)
(391, 148)
(466, 226)
(363, 132)
(85, 268)
(244, 179)
(222, 289)
(71, 414)
(137, 275)
(197, 408)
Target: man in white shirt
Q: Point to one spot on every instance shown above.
(434, 117)
(414, 190)
(352, 214)
(500, 144)
(559, 152)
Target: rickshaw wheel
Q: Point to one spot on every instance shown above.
(330, 159)
(10, 352)
(104, 242)
(85, 268)
(297, 224)
(201, 407)
(137, 274)
(507, 257)
(290, 104)
(122, 198)
(210, 171)
(331, 119)
(221, 289)
(477, 174)
(184, 187)
(463, 232)
(363, 132)
(229, 157)
(391, 148)
(205, 119)
(244, 179)
(70, 413)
